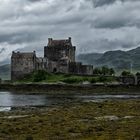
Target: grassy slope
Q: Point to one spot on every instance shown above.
(66, 78)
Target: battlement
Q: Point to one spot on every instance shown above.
(59, 43)
(23, 54)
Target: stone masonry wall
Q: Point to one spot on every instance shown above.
(22, 65)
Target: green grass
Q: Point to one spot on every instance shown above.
(44, 77)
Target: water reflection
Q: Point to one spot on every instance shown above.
(5, 109)
(100, 98)
(8, 99)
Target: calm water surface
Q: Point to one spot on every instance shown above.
(9, 99)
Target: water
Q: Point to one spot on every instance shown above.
(9, 99)
(100, 98)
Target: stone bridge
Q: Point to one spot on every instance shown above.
(131, 80)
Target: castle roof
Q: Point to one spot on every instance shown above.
(25, 54)
(59, 43)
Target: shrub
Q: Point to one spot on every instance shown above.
(138, 74)
(93, 80)
(102, 79)
(126, 73)
(72, 80)
(39, 76)
(97, 71)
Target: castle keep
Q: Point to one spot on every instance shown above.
(59, 56)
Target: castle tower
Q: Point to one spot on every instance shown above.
(59, 54)
(22, 64)
(56, 49)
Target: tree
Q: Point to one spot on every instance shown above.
(138, 74)
(105, 70)
(126, 73)
(97, 71)
(112, 71)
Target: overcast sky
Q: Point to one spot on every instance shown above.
(94, 25)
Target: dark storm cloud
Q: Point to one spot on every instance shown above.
(97, 27)
(99, 3)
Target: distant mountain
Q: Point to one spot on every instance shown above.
(89, 58)
(115, 59)
(5, 71)
(119, 60)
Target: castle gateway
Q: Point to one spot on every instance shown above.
(59, 57)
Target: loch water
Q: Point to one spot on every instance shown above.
(12, 99)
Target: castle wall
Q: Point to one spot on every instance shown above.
(78, 68)
(127, 80)
(86, 69)
(74, 67)
(59, 67)
(56, 53)
(52, 66)
(41, 63)
(22, 65)
(63, 65)
(72, 54)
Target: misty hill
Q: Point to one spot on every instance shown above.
(5, 71)
(119, 60)
(116, 59)
(89, 58)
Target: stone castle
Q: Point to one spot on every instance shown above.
(59, 57)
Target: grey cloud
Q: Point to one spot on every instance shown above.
(92, 29)
(112, 22)
(106, 44)
(99, 3)
(118, 16)
(2, 50)
(19, 38)
(34, 0)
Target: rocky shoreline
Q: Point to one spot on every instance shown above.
(70, 88)
(80, 121)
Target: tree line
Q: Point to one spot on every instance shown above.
(104, 71)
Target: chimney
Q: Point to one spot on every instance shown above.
(70, 39)
(49, 39)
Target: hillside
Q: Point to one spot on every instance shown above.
(89, 58)
(117, 59)
(5, 72)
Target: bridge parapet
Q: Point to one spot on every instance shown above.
(130, 80)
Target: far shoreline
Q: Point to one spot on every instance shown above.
(39, 88)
